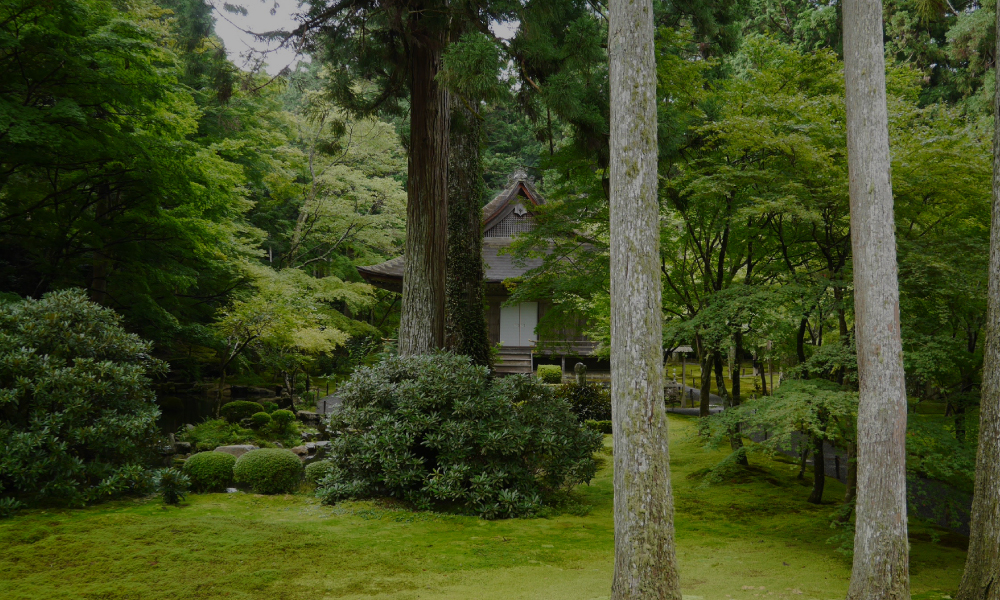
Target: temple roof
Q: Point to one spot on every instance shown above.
(499, 266)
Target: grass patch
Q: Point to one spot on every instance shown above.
(753, 538)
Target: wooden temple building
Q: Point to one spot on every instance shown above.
(509, 213)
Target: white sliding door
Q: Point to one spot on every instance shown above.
(517, 324)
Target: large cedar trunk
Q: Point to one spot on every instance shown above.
(466, 331)
(881, 550)
(981, 580)
(645, 559)
(422, 313)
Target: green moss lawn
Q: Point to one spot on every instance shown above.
(752, 538)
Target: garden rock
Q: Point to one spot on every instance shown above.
(309, 436)
(308, 418)
(236, 451)
(301, 450)
(182, 447)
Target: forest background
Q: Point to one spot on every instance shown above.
(222, 212)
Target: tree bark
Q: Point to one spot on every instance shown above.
(645, 558)
(466, 331)
(706, 383)
(981, 580)
(422, 313)
(819, 471)
(881, 551)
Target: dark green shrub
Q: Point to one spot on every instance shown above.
(598, 426)
(9, 507)
(269, 471)
(77, 415)
(172, 485)
(269, 407)
(315, 472)
(282, 419)
(260, 420)
(588, 401)
(234, 412)
(435, 429)
(210, 471)
(549, 373)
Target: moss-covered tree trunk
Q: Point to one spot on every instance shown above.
(466, 331)
(881, 549)
(645, 559)
(819, 471)
(704, 408)
(981, 580)
(422, 312)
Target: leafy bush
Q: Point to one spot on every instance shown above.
(550, 373)
(598, 426)
(269, 407)
(282, 419)
(211, 434)
(260, 420)
(8, 507)
(77, 415)
(234, 412)
(172, 484)
(587, 401)
(269, 471)
(210, 471)
(435, 429)
(315, 472)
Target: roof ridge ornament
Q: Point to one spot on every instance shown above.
(519, 174)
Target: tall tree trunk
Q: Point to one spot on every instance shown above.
(819, 471)
(981, 580)
(735, 436)
(465, 331)
(645, 558)
(720, 379)
(800, 340)
(706, 383)
(881, 551)
(422, 313)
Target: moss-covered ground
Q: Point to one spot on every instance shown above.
(754, 537)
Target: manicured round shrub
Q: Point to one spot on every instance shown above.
(234, 412)
(550, 373)
(282, 419)
(210, 471)
(260, 420)
(316, 471)
(435, 430)
(589, 401)
(269, 471)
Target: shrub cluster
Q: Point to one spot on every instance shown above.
(434, 429)
(549, 373)
(316, 471)
(260, 420)
(234, 412)
(588, 401)
(172, 485)
(210, 471)
(77, 415)
(269, 471)
(282, 419)
(598, 426)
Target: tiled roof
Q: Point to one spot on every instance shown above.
(498, 266)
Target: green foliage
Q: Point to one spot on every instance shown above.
(589, 402)
(282, 419)
(269, 407)
(210, 471)
(9, 507)
(549, 373)
(269, 471)
(603, 427)
(237, 410)
(435, 430)
(260, 420)
(932, 451)
(172, 485)
(317, 471)
(211, 434)
(77, 415)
